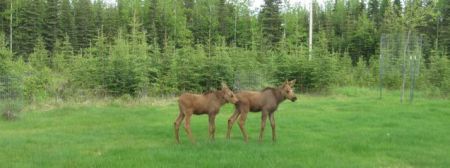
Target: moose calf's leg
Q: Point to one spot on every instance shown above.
(187, 127)
(242, 119)
(212, 126)
(231, 121)
(177, 124)
(272, 123)
(263, 125)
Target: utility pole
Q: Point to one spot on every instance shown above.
(209, 31)
(10, 27)
(310, 29)
(175, 27)
(235, 22)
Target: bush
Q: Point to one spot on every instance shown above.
(439, 74)
(315, 75)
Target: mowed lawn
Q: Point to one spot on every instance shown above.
(351, 127)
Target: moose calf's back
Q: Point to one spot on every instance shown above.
(199, 104)
(254, 100)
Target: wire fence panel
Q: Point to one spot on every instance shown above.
(400, 59)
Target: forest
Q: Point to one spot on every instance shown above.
(68, 48)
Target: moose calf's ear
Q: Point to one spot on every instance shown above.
(224, 85)
(285, 82)
(292, 82)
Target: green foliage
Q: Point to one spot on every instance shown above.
(315, 75)
(345, 71)
(152, 22)
(28, 27)
(39, 58)
(51, 27)
(183, 71)
(363, 41)
(443, 7)
(271, 22)
(84, 24)
(36, 83)
(120, 77)
(66, 20)
(4, 6)
(7, 76)
(157, 47)
(37, 73)
(5, 56)
(63, 57)
(439, 74)
(215, 70)
(226, 16)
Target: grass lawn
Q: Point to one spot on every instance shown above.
(349, 128)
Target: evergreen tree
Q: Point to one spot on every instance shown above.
(179, 34)
(225, 19)
(205, 23)
(443, 27)
(384, 5)
(245, 22)
(338, 20)
(98, 9)
(398, 8)
(271, 22)
(189, 9)
(391, 22)
(111, 22)
(51, 28)
(39, 58)
(5, 60)
(4, 15)
(28, 28)
(374, 11)
(84, 25)
(363, 41)
(66, 21)
(152, 23)
(65, 50)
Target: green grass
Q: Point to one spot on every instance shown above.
(350, 128)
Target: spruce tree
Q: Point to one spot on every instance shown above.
(51, 28)
(189, 12)
(444, 25)
(66, 21)
(84, 25)
(4, 17)
(39, 57)
(398, 7)
(271, 22)
(27, 28)
(223, 13)
(374, 11)
(111, 22)
(151, 23)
